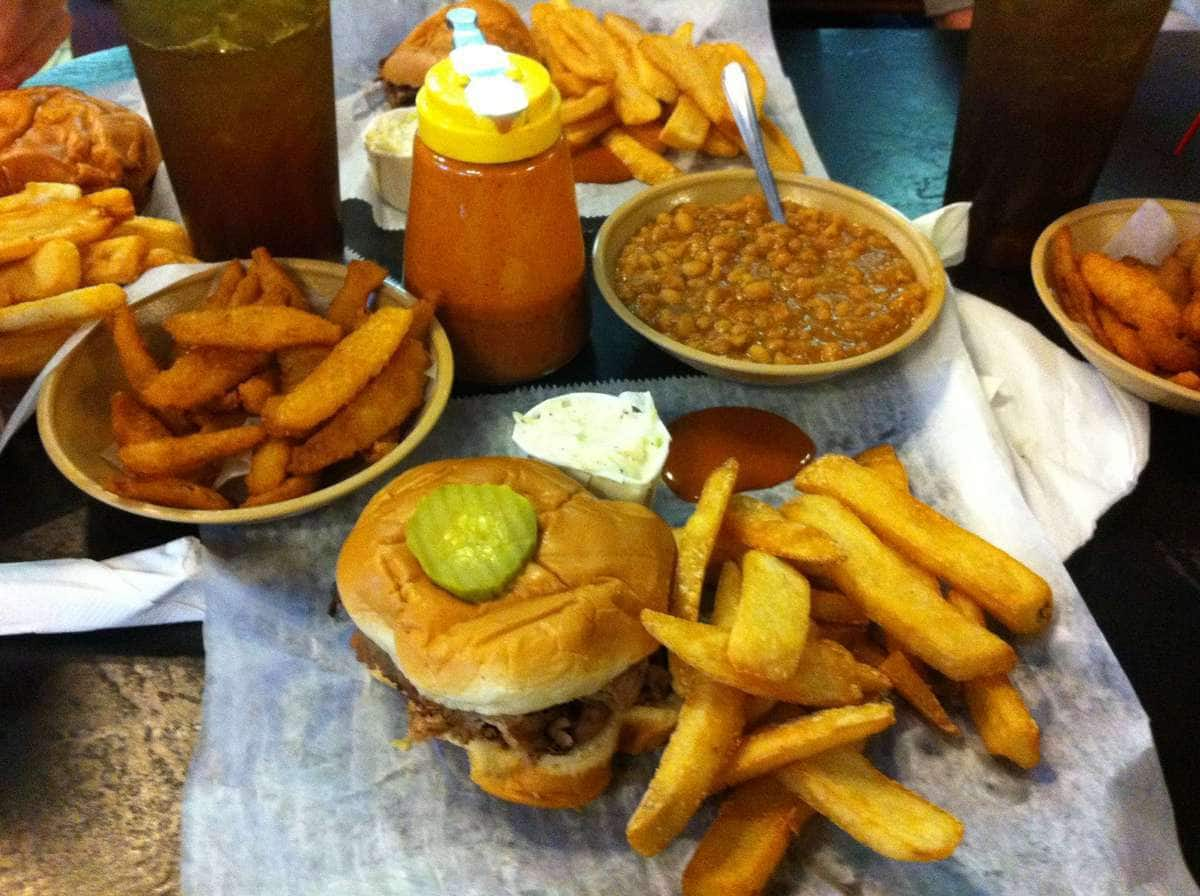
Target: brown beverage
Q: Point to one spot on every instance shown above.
(1046, 87)
(240, 93)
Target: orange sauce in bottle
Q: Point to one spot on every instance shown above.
(770, 449)
(500, 246)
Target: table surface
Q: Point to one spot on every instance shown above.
(96, 729)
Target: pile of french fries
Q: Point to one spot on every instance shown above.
(1148, 315)
(849, 590)
(63, 258)
(637, 94)
(259, 370)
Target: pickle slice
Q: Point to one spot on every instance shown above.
(472, 540)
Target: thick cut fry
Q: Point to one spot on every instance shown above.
(581, 133)
(351, 364)
(25, 229)
(268, 466)
(25, 354)
(38, 193)
(248, 290)
(717, 144)
(774, 746)
(1009, 590)
(116, 201)
(569, 45)
(227, 283)
(876, 811)
(900, 597)
(770, 628)
(647, 166)
(65, 308)
(710, 721)
(273, 276)
(253, 393)
(729, 595)
(1077, 299)
(158, 234)
(182, 454)
(1190, 319)
(1189, 379)
(718, 55)
(686, 128)
(996, 707)
(252, 327)
(835, 607)
(349, 307)
(884, 460)
(200, 375)
(295, 364)
(133, 422)
(1173, 277)
(912, 687)
(596, 99)
(649, 77)
(1167, 348)
(292, 487)
(686, 67)
(738, 854)
(137, 363)
(55, 267)
(116, 259)
(781, 154)
(383, 404)
(567, 82)
(1131, 292)
(158, 257)
(684, 33)
(757, 524)
(169, 493)
(698, 538)
(646, 728)
(1116, 335)
(827, 676)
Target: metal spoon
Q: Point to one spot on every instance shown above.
(737, 91)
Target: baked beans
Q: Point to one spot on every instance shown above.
(728, 280)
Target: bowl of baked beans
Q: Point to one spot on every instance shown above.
(697, 266)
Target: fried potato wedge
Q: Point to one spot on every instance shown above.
(699, 537)
(201, 375)
(758, 525)
(25, 354)
(268, 466)
(115, 259)
(876, 811)
(158, 233)
(686, 67)
(54, 268)
(646, 728)
(133, 422)
(169, 492)
(909, 684)
(1131, 292)
(646, 165)
(770, 627)
(261, 328)
(1009, 590)
(292, 487)
(349, 306)
(686, 126)
(72, 307)
(174, 455)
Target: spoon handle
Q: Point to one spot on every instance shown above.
(737, 91)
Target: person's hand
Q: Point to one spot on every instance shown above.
(30, 32)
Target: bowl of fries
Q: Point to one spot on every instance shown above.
(1138, 324)
(718, 187)
(242, 394)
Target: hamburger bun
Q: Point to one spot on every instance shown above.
(403, 70)
(566, 628)
(60, 135)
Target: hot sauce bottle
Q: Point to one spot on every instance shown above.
(493, 230)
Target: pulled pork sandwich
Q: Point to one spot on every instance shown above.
(403, 70)
(60, 135)
(502, 599)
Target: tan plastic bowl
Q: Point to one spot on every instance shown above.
(715, 187)
(73, 409)
(1091, 228)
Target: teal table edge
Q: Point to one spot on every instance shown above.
(88, 72)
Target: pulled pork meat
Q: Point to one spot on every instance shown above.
(555, 730)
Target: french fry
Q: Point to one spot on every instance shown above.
(912, 687)
(757, 524)
(295, 364)
(248, 290)
(1131, 292)
(383, 404)
(292, 487)
(1174, 278)
(581, 133)
(349, 306)
(686, 128)
(781, 154)
(25, 229)
(268, 466)
(738, 854)
(567, 82)
(718, 55)
(274, 276)
(576, 109)
(1189, 319)
(774, 746)
(115, 259)
(903, 599)
(252, 328)
(687, 69)
(684, 33)
(1009, 590)
(200, 375)
(729, 595)
(169, 492)
(646, 728)
(158, 234)
(698, 538)
(646, 165)
(1116, 335)
(835, 607)
(1189, 379)
(649, 77)
(827, 674)
(117, 202)
(174, 455)
(253, 392)
(884, 460)
(54, 268)
(717, 144)
(352, 363)
(54, 312)
(133, 422)
(770, 628)
(569, 45)
(1167, 349)
(25, 354)
(996, 707)
(38, 193)
(227, 283)
(876, 811)
(710, 721)
(159, 256)
(631, 102)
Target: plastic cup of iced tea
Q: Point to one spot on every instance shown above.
(240, 93)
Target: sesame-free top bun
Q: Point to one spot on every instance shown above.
(60, 135)
(565, 627)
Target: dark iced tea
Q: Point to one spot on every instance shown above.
(241, 97)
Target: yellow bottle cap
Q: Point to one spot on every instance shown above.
(472, 110)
